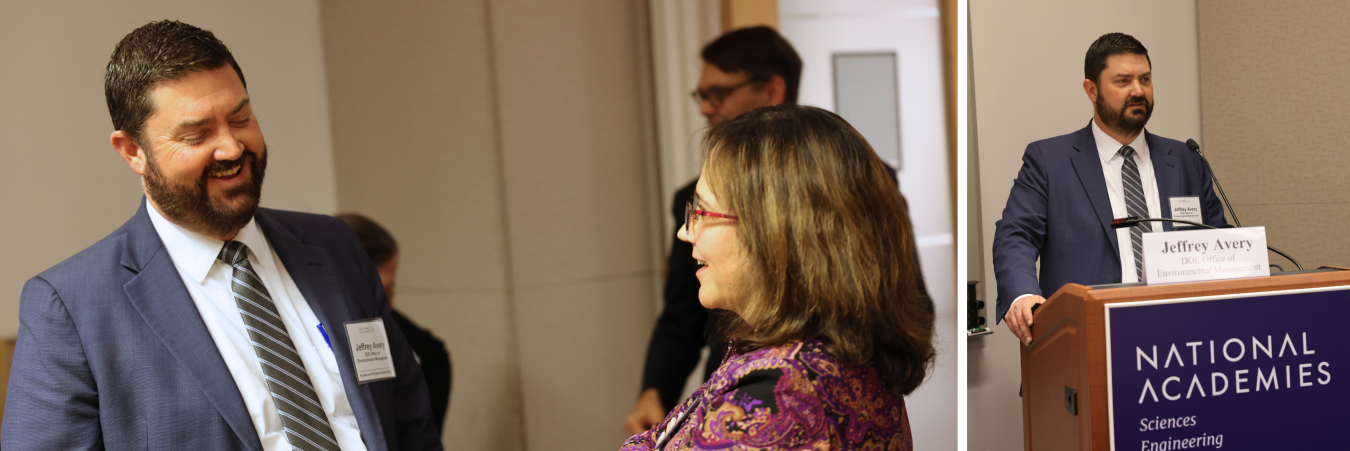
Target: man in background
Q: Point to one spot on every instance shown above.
(430, 352)
(1071, 186)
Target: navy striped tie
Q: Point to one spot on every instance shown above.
(1135, 206)
(301, 414)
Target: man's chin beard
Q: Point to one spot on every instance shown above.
(193, 208)
(1119, 120)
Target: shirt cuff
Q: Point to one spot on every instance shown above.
(1014, 302)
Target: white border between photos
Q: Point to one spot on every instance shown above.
(962, 221)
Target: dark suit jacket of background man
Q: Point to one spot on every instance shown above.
(684, 327)
(1059, 210)
(112, 352)
(434, 360)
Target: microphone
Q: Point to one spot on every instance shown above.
(1195, 147)
(1132, 221)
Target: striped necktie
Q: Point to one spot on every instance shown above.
(301, 414)
(1136, 206)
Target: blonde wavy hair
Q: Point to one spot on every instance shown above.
(829, 239)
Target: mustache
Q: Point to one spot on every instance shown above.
(229, 164)
(1136, 101)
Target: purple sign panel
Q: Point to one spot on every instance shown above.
(1246, 373)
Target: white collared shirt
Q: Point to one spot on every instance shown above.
(1108, 149)
(208, 281)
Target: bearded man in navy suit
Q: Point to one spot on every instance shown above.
(205, 322)
(1070, 187)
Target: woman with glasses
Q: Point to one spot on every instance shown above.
(803, 239)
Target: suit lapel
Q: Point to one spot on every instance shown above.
(314, 275)
(158, 293)
(1088, 165)
(1165, 174)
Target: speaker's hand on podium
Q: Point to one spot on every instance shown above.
(1018, 317)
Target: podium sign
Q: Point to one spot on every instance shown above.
(1253, 371)
(1207, 254)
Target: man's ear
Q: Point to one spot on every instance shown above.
(130, 151)
(1091, 89)
(777, 90)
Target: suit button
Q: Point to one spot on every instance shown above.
(1116, 281)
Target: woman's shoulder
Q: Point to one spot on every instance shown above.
(798, 393)
(809, 359)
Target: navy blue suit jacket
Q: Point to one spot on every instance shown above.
(113, 354)
(1059, 211)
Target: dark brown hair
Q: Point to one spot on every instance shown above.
(157, 52)
(829, 237)
(761, 53)
(1105, 46)
(378, 243)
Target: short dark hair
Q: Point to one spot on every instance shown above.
(154, 53)
(377, 242)
(761, 52)
(1107, 45)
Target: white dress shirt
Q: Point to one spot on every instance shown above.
(208, 281)
(1108, 149)
(1112, 164)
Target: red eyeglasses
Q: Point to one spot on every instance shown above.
(691, 215)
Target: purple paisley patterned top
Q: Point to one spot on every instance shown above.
(789, 397)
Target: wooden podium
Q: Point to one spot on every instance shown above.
(1064, 368)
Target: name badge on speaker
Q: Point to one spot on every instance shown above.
(1186, 208)
(370, 350)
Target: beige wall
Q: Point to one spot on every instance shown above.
(507, 144)
(1028, 73)
(415, 141)
(1274, 119)
(974, 233)
(65, 188)
(748, 13)
(582, 207)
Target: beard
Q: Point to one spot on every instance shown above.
(1120, 120)
(191, 206)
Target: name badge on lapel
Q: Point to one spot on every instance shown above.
(1186, 208)
(370, 350)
